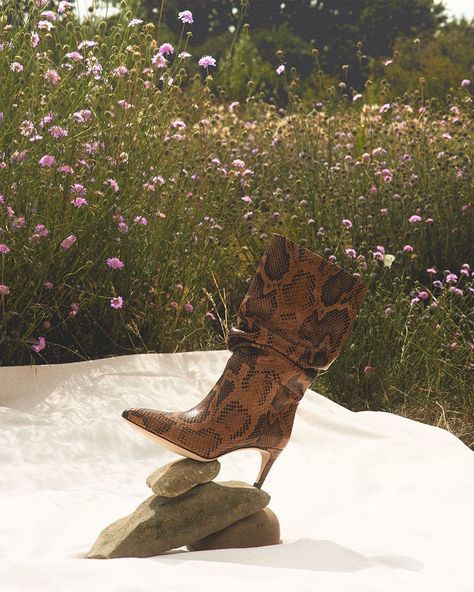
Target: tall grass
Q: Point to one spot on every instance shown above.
(182, 188)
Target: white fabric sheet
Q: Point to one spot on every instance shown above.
(367, 501)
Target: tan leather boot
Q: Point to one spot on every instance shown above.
(292, 323)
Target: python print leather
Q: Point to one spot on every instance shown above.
(292, 323)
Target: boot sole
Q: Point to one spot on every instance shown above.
(268, 456)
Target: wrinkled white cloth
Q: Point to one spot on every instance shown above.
(367, 501)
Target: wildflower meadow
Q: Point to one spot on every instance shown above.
(137, 196)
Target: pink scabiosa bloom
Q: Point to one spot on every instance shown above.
(75, 56)
(68, 242)
(74, 309)
(186, 16)
(179, 287)
(35, 39)
(52, 76)
(437, 284)
(58, 132)
(465, 83)
(350, 253)
(134, 22)
(451, 278)
(280, 69)
(48, 285)
(408, 249)
(373, 190)
(465, 269)
(233, 105)
(356, 97)
(79, 189)
(41, 344)
(246, 199)
(179, 124)
(116, 302)
(47, 160)
(423, 295)
(188, 307)
(166, 49)
(16, 67)
(141, 220)
(123, 227)
(184, 54)
(113, 183)
(159, 61)
(4, 249)
(413, 219)
(115, 263)
(347, 223)
(4, 290)
(432, 270)
(174, 305)
(79, 202)
(238, 163)
(385, 108)
(207, 61)
(210, 315)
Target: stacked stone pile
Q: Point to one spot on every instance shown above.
(189, 509)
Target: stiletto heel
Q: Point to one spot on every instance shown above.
(268, 458)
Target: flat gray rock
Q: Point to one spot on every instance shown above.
(182, 475)
(160, 524)
(256, 530)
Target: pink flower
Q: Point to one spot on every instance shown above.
(52, 76)
(385, 107)
(48, 285)
(179, 287)
(141, 220)
(423, 295)
(159, 61)
(407, 249)
(74, 309)
(174, 305)
(465, 83)
(116, 302)
(41, 345)
(186, 16)
(115, 263)
(207, 61)
(280, 69)
(431, 270)
(451, 277)
(68, 241)
(188, 307)
(4, 290)
(246, 198)
(4, 249)
(47, 160)
(75, 56)
(369, 370)
(413, 219)
(347, 223)
(166, 49)
(79, 202)
(78, 188)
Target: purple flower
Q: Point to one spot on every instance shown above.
(347, 223)
(414, 218)
(188, 307)
(186, 16)
(4, 290)
(423, 295)
(115, 263)
(465, 83)
(68, 241)
(280, 69)
(166, 49)
(207, 61)
(47, 160)
(407, 249)
(431, 270)
(437, 284)
(451, 277)
(116, 302)
(79, 202)
(4, 249)
(41, 345)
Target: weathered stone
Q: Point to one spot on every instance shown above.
(256, 530)
(160, 524)
(182, 475)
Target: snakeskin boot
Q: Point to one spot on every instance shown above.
(292, 323)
